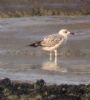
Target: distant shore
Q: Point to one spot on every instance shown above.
(23, 8)
(12, 90)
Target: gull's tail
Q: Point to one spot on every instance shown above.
(35, 44)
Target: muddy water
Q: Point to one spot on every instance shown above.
(20, 62)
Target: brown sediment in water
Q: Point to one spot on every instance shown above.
(39, 90)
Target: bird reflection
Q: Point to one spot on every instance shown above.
(51, 66)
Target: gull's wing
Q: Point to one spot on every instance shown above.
(51, 40)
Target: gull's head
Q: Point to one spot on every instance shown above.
(65, 32)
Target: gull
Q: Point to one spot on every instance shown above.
(52, 42)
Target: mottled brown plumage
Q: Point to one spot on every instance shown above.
(51, 40)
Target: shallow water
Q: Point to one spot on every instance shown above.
(20, 62)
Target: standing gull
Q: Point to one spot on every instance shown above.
(52, 42)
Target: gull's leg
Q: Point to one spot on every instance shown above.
(55, 56)
(50, 55)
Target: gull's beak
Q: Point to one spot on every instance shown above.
(72, 33)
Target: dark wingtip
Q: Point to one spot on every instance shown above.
(33, 45)
(36, 44)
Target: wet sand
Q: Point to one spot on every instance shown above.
(20, 62)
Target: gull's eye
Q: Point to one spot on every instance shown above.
(65, 31)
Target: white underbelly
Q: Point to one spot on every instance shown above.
(52, 48)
